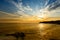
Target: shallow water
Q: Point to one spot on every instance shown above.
(32, 31)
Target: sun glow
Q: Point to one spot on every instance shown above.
(43, 13)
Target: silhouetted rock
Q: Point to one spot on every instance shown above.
(17, 35)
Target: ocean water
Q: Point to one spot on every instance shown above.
(32, 31)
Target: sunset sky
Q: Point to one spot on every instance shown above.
(39, 8)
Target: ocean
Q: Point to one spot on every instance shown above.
(32, 31)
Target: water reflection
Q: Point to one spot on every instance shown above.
(32, 31)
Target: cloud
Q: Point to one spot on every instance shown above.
(54, 5)
(28, 8)
(7, 15)
(20, 12)
(47, 11)
(52, 10)
(21, 7)
(47, 1)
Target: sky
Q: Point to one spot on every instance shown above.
(39, 8)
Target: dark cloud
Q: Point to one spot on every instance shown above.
(54, 5)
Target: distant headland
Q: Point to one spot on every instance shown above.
(52, 22)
